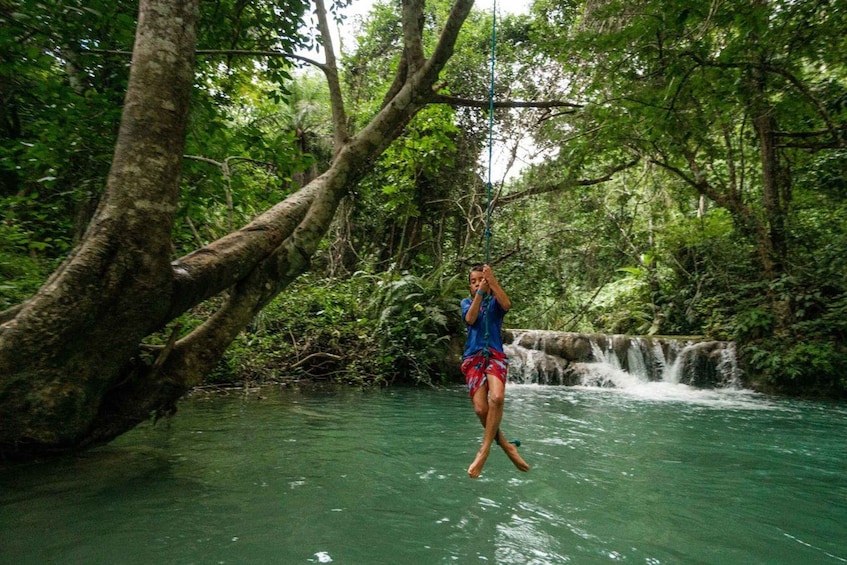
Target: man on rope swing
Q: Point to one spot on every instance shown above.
(484, 363)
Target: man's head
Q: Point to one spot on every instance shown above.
(476, 278)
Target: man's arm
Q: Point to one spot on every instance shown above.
(495, 289)
(473, 311)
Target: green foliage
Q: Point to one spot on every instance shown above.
(422, 153)
(754, 324)
(262, 25)
(708, 264)
(812, 368)
(20, 277)
(248, 155)
(623, 306)
(62, 85)
(416, 317)
(673, 245)
(22, 270)
(403, 208)
(59, 113)
(314, 331)
(414, 210)
(807, 356)
(365, 330)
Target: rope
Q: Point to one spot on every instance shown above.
(490, 132)
(487, 299)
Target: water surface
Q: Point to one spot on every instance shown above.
(658, 473)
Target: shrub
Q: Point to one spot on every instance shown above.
(365, 330)
(416, 316)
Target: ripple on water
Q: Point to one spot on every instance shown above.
(660, 476)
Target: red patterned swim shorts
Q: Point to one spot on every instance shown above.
(478, 366)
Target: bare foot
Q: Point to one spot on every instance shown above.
(475, 470)
(512, 453)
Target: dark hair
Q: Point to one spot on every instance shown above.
(477, 267)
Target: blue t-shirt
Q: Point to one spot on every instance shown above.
(475, 341)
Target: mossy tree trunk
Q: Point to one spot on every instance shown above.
(73, 371)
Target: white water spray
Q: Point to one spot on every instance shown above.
(621, 362)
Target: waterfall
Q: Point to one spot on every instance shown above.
(672, 373)
(635, 359)
(728, 367)
(566, 358)
(607, 370)
(530, 366)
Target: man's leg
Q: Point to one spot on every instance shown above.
(480, 403)
(511, 452)
(495, 390)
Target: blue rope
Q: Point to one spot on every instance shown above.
(486, 299)
(490, 131)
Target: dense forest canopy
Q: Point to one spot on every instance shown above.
(181, 176)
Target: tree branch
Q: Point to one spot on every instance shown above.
(222, 53)
(819, 107)
(509, 198)
(470, 103)
(336, 99)
(211, 269)
(412, 19)
(835, 143)
(447, 40)
(319, 354)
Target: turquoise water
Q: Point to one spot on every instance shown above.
(653, 474)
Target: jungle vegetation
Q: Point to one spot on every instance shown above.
(206, 192)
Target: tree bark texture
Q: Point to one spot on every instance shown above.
(73, 370)
(63, 349)
(773, 247)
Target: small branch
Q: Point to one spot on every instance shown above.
(802, 134)
(319, 354)
(503, 256)
(232, 159)
(222, 53)
(258, 53)
(194, 231)
(166, 350)
(567, 184)
(810, 146)
(835, 143)
(204, 160)
(470, 103)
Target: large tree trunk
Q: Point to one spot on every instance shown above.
(64, 348)
(73, 370)
(773, 245)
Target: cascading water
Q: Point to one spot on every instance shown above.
(564, 358)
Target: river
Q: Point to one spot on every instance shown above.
(656, 473)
